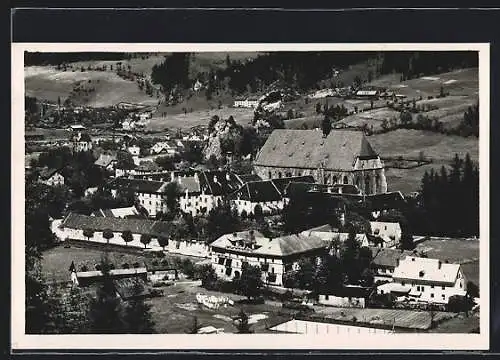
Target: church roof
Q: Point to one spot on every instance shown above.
(309, 149)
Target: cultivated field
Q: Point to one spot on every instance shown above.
(399, 318)
(453, 250)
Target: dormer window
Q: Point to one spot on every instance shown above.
(421, 273)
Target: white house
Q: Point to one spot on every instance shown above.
(389, 232)
(128, 124)
(366, 93)
(426, 280)
(150, 194)
(81, 142)
(51, 177)
(77, 127)
(385, 261)
(275, 256)
(246, 103)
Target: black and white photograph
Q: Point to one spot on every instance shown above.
(251, 192)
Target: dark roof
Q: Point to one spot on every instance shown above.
(291, 245)
(282, 184)
(136, 226)
(218, 183)
(257, 191)
(47, 173)
(386, 257)
(391, 200)
(105, 159)
(148, 166)
(309, 149)
(137, 185)
(248, 177)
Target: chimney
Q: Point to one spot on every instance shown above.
(397, 262)
(439, 264)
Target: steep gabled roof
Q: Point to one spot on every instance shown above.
(47, 173)
(386, 257)
(136, 226)
(291, 245)
(426, 269)
(310, 150)
(137, 185)
(257, 191)
(283, 183)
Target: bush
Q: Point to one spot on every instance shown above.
(458, 303)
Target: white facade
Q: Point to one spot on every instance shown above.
(269, 265)
(246, 103)
(153, 203)
(249, 206)
(390, 232)
(55, 180)
(339, 301)
(82, 146)
(194, 204)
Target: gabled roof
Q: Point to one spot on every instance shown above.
(248, 177)
(425, 269)
(47, 173)
(80, 136)
(137, 185)
(189, 183)
(282, 183)
(136, 226)
(308, 149)
(386, 257)
(162, 264)
(105, 159)
(227, 240)
(257, 191)
(291, 245)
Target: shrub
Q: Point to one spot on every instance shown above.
(458, 303)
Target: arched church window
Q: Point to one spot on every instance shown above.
(367, 185)
(334, 180)
(346, 180)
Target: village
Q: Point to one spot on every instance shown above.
(253, 227)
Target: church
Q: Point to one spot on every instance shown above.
(339, 157)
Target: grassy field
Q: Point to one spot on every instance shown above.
(48, 83)
(409, 143)
(195, 118)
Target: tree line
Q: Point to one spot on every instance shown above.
(43, 58)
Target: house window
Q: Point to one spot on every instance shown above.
(443, 288)
(460, 284)
(432, 286)
(432, 295)
(346, 180)
(443, 296)
(382, 292)
(272, 270)
(403, 283)
(326, 297)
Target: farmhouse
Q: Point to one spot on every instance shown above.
(388, 232)
(83, 227)
(81, 142)
(274, 256)
(51, 177)
(342, 157)
(426, 280)
(150, 194)
(160, 270)
(332, 235)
